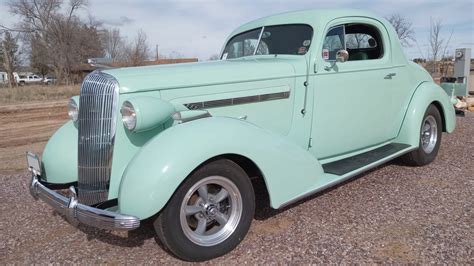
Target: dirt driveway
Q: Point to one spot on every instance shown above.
(27, 127)
(392, 214)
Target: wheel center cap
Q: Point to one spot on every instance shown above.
(211, 210)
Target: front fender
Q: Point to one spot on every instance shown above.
(426, 94)
(59, 157)
(164, 162)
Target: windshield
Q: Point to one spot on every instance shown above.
(294, 39)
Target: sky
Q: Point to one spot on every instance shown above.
(198, 28)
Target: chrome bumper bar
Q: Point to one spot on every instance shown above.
(79, 213)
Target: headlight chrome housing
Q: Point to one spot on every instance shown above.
(129, 115)
(73, 110)
(142, 113)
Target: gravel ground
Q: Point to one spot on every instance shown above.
(391, 214)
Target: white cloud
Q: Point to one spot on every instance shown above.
(117, 22)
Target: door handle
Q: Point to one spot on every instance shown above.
(389, 76)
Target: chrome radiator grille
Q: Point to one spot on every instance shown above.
(96, 123)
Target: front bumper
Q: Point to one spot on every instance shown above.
(79, 213)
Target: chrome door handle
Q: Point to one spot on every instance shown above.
(389, 76)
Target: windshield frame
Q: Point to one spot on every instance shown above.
(259, 40)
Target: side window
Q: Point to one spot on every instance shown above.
(262, 49)
(359, 40)
(362, 42)
(242, 45)
(242, 48)
(333, 42)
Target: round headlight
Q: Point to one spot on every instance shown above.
(73, 110)
(129, 116)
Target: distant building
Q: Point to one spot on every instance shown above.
(3, 77)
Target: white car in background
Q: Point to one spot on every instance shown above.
(48, 80)
(28, 79)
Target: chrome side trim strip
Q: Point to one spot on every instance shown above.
(190, 115)
(238, 100)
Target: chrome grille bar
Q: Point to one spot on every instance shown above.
(96, 123)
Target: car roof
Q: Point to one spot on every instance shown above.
(311, 17)
(319, 18)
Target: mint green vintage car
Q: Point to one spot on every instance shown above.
(301, 100)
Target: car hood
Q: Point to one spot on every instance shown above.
(137, 79)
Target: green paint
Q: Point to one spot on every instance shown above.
(349, 108)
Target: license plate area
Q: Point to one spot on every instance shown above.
(33, 162)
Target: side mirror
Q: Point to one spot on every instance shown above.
(342, 56)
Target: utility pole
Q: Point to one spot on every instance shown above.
(157, 54)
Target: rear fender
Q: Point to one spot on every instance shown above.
(427, 93)
(165, 161)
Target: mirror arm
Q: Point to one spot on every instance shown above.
(328, 68)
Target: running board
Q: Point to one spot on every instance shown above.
(350, 164)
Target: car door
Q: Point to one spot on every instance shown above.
(350, 97)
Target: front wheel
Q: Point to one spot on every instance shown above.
(430, 139)
(209, 214)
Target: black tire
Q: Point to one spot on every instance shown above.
(423, 155)
(179, 239)
(22, 83)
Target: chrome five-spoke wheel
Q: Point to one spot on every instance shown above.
(429, 134)
(211, 210)
(430, 139)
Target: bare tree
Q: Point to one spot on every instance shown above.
(36, 15)
(404, 29)
(113, 44)
(138, 50)
(74, 42)
(445, 59)
(357, 40)
(39, 59)
(55, 27)
(9, 56)
(435, 41)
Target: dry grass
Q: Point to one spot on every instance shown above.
(37, 93)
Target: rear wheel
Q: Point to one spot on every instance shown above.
(209, 214)
(430, 139)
